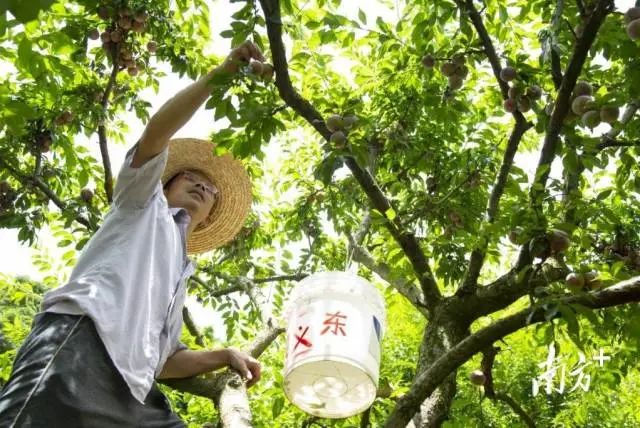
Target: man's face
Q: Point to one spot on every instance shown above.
(192, 191)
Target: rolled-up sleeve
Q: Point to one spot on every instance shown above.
(136, 186)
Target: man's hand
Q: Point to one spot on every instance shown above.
(248, 366)
(241, 56)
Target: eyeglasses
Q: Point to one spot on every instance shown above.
(209, 188)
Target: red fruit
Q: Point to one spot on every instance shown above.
(448, 68)
(152, 46)
(477, 377)
(124, 23)
(509, 105)
(94, 34)
(103, 12)
(64, 118)
(524, 104)
(105, 36)
(633, 29)
(256, 67)
(575, 280)
(508, 74)
(116, 36)
(428, 61)
(267, 72)
(138, 26)
(632, 14)
(559, 241)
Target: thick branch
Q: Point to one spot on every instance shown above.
(406, 240)
(191, 326)
(227, 389)
(610, 142)
(477, 256)
(561, 107)
(424, 384)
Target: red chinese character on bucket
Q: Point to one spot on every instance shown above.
(334, 320)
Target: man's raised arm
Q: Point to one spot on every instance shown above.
(178, 110)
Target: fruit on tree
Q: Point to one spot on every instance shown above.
(477, 377)
(86, 195)
(462, 71)
(459, 59)
(591, 280)
(559, 241)
(609, 114)
(591, 119)
(256, 67)
(582, 88)
(539, 247)
(455, 82)
(579, 103)
(152, 46)
(116, 36)
(138, 26)
(509, 105)
(335, 123)
(105, 36)
(515, 91)
(349, 121)
(448, 68)
(5, 187)
(534, 92)
(633, 29)
(428, 61)
(94, 34)
(141, 16)
(124, 23)
(517, 236)
(133, 71)
(267, 72)
(575, 280)
(524, 104)
(508, 74)
(64, 118)
(338, 138)
(632, 14)
(125, 11)
(103, 12)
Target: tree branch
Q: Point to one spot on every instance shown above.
(227, 389)
(26, 179)
(561, 107)
(488, 358)
(406, 288)
(102, 131)
(426, 382)
(191, 326)
(406, 240)
(610, 142)
(219, 292)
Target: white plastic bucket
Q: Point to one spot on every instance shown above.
(336, 321)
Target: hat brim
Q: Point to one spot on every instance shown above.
(233, 201)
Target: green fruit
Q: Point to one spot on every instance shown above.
(591, 119)
(477, 377)
(631, 15)
(462, 71)
(448, 68)
(559, 241)
(350, 120)
(575, 280)
(582, 88)
(609, 114)
(633, 29)
(579, 103)
(508, 74)
(428, 61)
(515, 92)
(335, 123)
(338, 138)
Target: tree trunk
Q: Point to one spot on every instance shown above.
(439, 336)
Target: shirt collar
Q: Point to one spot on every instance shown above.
(180, 215)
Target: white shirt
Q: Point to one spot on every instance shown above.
(130, 277)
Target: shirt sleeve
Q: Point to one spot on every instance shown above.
(135, 187)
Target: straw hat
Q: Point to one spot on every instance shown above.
(233, 200)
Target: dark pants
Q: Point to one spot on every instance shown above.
(63, 377)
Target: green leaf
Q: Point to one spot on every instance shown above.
(26, 11)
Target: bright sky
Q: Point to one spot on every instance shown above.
(15, 259)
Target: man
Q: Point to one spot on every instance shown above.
(102, 339)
